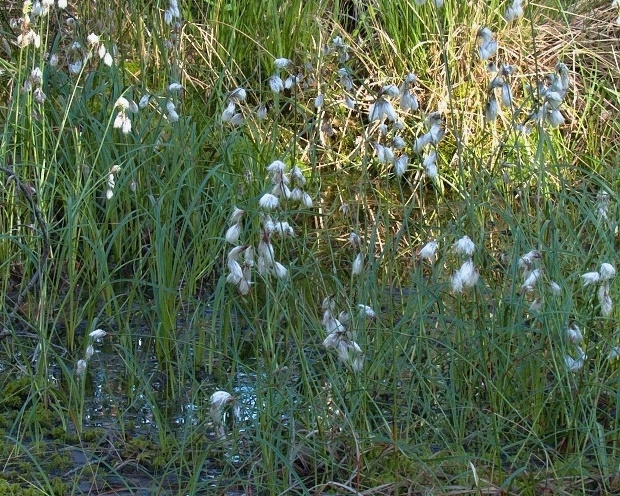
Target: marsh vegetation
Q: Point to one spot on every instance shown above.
(294, 247)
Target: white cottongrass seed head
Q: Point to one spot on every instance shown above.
(238, 94)
(332, 340)
(97, 334)
(390, 90)
(514, 11)
(92, 39)
(236, 272)
(427, 252)
(265, 250)
(431, 170)
(398, 142)
(614, 353)
(531, 279)
(350, 352)
(422, 142)
(80, 367)
(228, 112)
(306, 200)
(590, 278)
(506, 96)
(605, 300)
(328, 304)
(573, 334)
(355, 239)
(526, 261)
(358, 264)
(219, 401)
(297, 176)
(466, 277)
(381, 110)
(465, 246)
(122, 103)
(366, 311)
(276, 168)
(107, 58)
(283, 228)
(90, 351)
(430, 160)
(332, 325)
(575, 364)
(279, 270)
(236, 252)
(607, 305)
(488, 45)
(275, 83)
(236, 215)
(536, 305)
(261, 112)
(400, 165)
(491, 109)
(233, 233)
(269, 201)
(122, 122)
(607, 271)
(282, 63)
(344, 318)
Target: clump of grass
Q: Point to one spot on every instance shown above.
(374, 244)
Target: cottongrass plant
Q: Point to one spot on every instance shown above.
(602, 278)
(280, 196)
(467, 275)
(433, 364)
(219, 401)
(428, 251)
(341, 336)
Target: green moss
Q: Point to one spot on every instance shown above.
(7, 488)
(93, 435)
(59, 462)
(63, 437)
(143, 449)
(59, 487)
(58, 433)
(14, 393)
(46, 418)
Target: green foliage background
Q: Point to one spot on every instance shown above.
(459, 392)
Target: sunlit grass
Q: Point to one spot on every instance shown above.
(464, 378)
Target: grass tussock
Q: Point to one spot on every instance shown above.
(309, 247)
